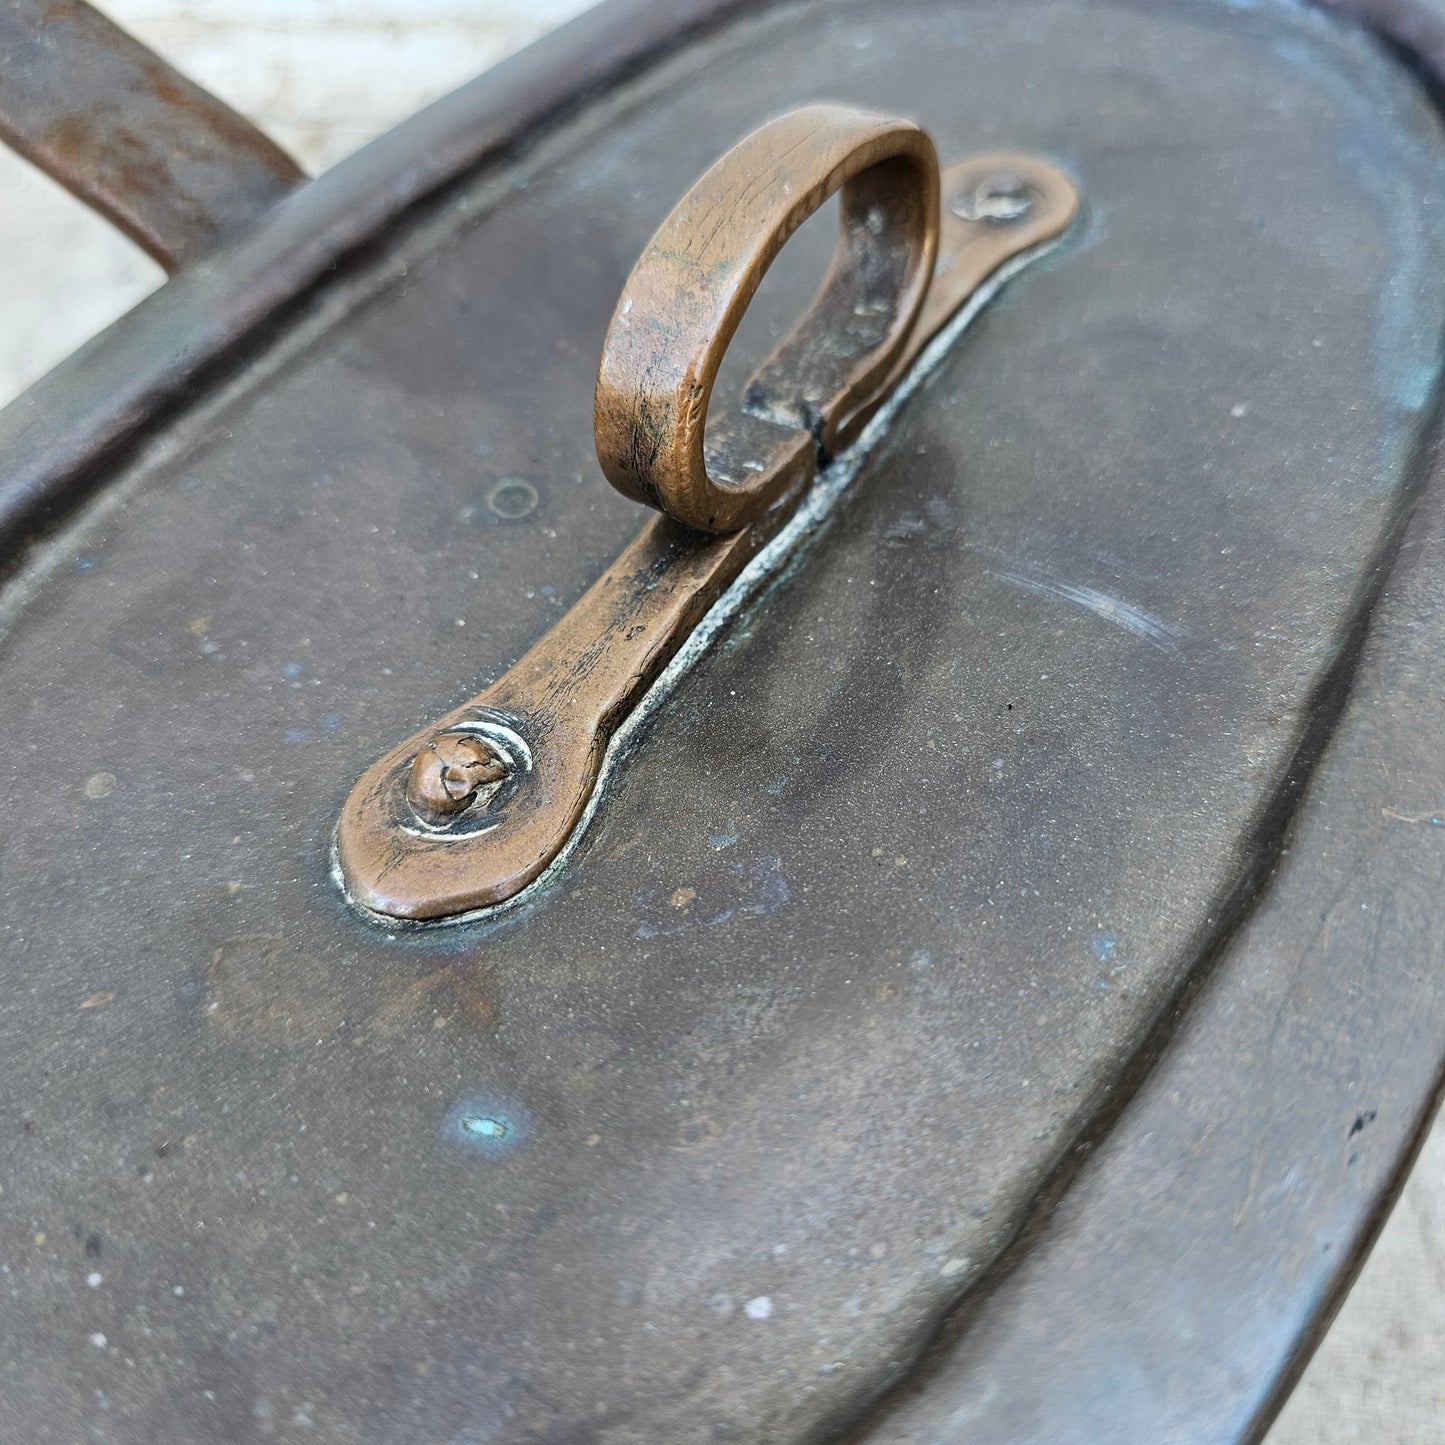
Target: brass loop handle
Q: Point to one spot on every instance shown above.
(688, 292)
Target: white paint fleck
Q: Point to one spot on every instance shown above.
(759, 1308)
(99, 1340)
(100, 785)
(94, 1279)
(950, 1268)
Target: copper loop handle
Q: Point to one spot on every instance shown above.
(689, 290)
(467, 813)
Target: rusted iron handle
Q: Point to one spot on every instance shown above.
(163, 160)
(688, 291)
(467, 813)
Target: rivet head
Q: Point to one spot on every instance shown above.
(1003, 196)
(448, 774)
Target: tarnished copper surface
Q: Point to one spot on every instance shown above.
(416, 838)
(998, 1000)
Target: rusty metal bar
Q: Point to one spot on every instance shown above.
(165, 161)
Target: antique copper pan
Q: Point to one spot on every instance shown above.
(996, 993)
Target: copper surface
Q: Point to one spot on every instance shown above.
(466, 813)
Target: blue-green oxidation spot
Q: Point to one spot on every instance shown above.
(1415, 383)
(1105, 946)
(484, 1124)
